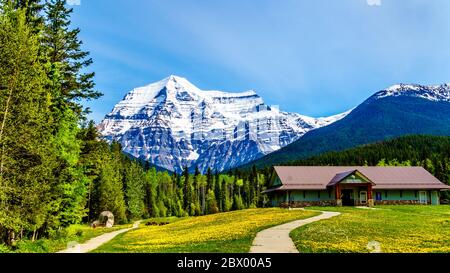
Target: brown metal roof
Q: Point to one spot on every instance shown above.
(314, 178)
(340, 176)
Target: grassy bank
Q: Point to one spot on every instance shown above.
(399, 229)
(74, 233)
(231, 232)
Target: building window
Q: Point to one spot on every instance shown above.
(304, 194)
(378, 196)
(329, 193)
(385, 194)
(423, 197)
(415, 194)
(318, 194)
(401, 194)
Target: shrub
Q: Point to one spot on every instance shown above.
(4, 249)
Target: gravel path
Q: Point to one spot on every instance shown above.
(276, 239)
(97, 241)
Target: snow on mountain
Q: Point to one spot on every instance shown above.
(324, 121)
(432, 92)
(173, 124)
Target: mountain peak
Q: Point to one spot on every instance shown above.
(403, 86)
(175, 78)
(174, 85)
(176, 82)
(173, 124)
(429, 92)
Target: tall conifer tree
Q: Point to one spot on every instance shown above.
(26, 151)
(68, 61)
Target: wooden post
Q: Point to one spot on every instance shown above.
(337, 190)
(370, 201)
(286, 200)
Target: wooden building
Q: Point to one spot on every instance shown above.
(354, 186)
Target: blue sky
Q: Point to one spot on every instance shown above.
(315, 57)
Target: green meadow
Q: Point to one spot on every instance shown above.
(395, 229)
(231, 232)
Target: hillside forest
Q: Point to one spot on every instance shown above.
(54, 169)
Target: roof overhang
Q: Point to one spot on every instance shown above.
(412, 187)
(338, 178)
(284, 188)
(292, 187)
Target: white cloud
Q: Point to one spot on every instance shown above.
(374, 2)
(74, 2)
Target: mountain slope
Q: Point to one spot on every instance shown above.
(399, 110)
(173, 124)
(415, 149)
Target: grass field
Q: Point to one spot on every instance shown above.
(231, 232)
(399, 229)
(74, 233)
(409, 229)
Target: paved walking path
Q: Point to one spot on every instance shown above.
(276, 239)
(97, 241)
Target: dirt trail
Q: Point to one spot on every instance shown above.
(97, 241)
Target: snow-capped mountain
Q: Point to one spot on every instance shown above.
(173, 124)
(402, 109)
(431, 92)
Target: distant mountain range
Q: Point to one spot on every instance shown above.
(402, 109)
(173, 124)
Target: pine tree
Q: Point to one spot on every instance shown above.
(102, 164)
(33, 16)
(151, 192)
(69, 194)
(93, 154)
(64, 61)
(211, 203)
(202, 182)
(218, 189)
(197, 192)
(254, 186)
(186, 190)
(237, 202)
(135, 190)
(209, 179)
(67, 60)
(261, 179)
(147, 165)
(226, 196)
(111, 193)
(26, 159)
